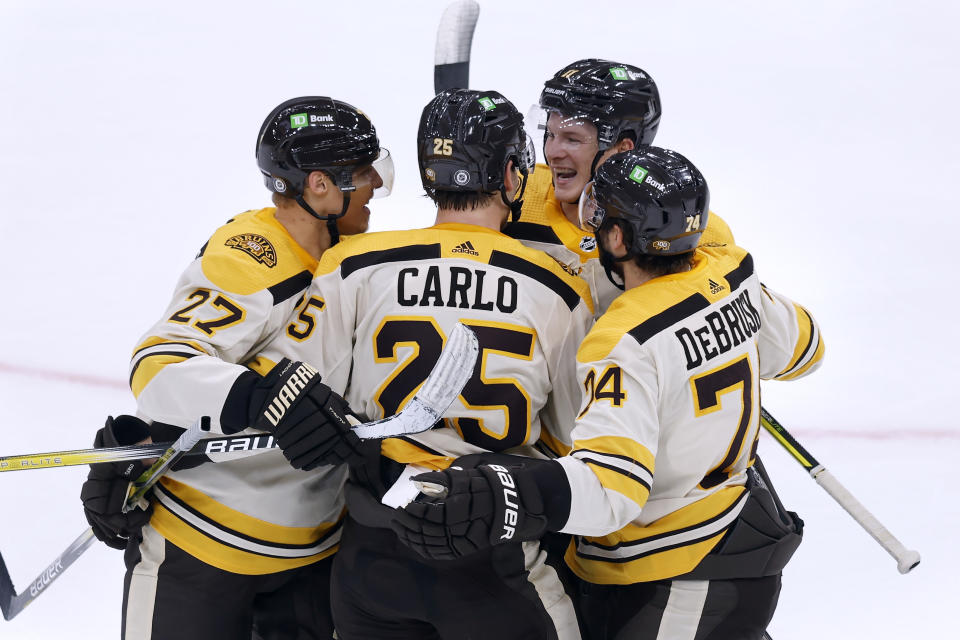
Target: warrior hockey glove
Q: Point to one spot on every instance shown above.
(311, 423)
(105, 491)
(486, 505)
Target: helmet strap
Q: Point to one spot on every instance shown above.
(608, 260)
(330, 219)
(515, 205)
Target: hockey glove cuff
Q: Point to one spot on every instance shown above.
(105, 490)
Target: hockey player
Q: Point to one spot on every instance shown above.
(589, 110)
(392, 298)
(244, 545)
(676, 533)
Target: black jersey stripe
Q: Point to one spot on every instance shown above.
(542, 275)
(165, 342)
(736, 277)
(183, 355)
(399, 254)
(532, 232)
(650, 552)
(616, 469)
(613, 455)
(290, 287)
(814, 335)
(219, 527)
(207, 534)
(668, 534)
(422, 446)
(669, 317)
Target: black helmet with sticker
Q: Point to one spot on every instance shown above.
(619, 99)
(657, 195)
(314, 133)
(466, 139)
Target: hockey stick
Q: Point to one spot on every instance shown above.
(906, 559)
(12, 603)
(442, 386)
(451, 66)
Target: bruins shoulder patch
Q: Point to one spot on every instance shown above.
(256, 246)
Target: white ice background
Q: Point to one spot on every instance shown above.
(827, 131)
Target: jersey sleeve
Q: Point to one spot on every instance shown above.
(789, 343)
(610, 467)
(225, 308)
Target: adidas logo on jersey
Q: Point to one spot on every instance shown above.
(715, 287)
(465, 247)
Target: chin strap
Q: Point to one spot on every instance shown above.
(516, 204)
(331, 219)
(608, 260)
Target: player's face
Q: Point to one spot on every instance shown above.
(569, 148)
(357, 218)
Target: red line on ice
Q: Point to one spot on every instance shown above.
(63, 376)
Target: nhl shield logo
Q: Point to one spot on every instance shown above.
(588, 243)
(255, 246)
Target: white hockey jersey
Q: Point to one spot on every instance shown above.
(391, 299)
(249, 515)
(671, 413)
(543, 225)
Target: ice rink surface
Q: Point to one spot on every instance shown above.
(826, 130)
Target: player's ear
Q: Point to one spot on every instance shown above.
(625, 144)
(511, 178)
(318, 182)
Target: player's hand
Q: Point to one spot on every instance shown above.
(105, 490)
(311, 423)
(483, 506)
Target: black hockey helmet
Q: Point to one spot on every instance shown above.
(658, 197)
(466, 139)
(617, 98)
(314, 133)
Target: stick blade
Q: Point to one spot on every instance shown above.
(451, 58)
(7, 592)
(441, 388)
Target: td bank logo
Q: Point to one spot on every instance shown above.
(298, 120)
(619, 73)
(487, 103)
(638, 174)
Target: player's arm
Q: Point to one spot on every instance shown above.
(598, 488)
(186, 365)
(789, 342)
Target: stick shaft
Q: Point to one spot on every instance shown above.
(13, 603)
(906, 559)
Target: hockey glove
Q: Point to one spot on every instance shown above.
(105, 490)
(512, 500)
(311, 423)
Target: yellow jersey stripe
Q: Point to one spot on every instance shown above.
(222, 556)
(149, 366)
(208, 508)
(671, 546)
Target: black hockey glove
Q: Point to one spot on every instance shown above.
(105, 490)
(309, 421)
(496, 502)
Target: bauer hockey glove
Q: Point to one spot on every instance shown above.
(105, 490)
(502, 499)
(311, 423)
